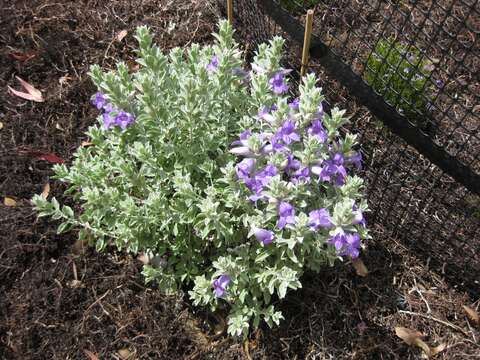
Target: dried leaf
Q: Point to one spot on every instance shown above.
(31, 94)
(121, 35)
(91, 355)
(359, 267)
(408, 335)
(46, 191)
(144, 258)
(40, 155)
(438, 349)
(472, 315)
(65, 79)
(23, 56)
(413, 338)
(79, 247)
(86, 143)
(22, 94)
(125, 354)
(8, 201)
(50, 158)
(133, 66)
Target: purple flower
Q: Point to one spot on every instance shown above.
(358, 218)
(255, 186)
(332, 170)
(294, 105)
(99, 100)
(242, 151)
(264, 113)
(338, 240)
(108, 121)
(301, 175)
(259, 181)
(292, 163)
(320, 112)
(265, 175)
(337, 159)
(244, 136)
(319, 218)
(352, 246)
(213, 64)
(346, 244)
(277, 82)
(264, 236)
(287, 215)
(124, 119)
(244, 168)
(287, 132)
(108, 108)
(356, 160)
(274, 146)
(316, 129)
(220, 285)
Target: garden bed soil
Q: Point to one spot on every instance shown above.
(60, 300)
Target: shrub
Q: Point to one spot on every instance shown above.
(237, 221)
(400, 73)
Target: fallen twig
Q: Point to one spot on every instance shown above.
(450, 325)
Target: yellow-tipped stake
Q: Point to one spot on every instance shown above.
(306, 42)
(230, 11)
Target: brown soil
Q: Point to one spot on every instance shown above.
(59, 303)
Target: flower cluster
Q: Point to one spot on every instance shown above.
(220, 285)
(213, 64)
(278, 151)
(112, 116)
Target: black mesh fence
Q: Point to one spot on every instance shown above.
(407, 72)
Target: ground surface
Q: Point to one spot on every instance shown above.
(61, 302)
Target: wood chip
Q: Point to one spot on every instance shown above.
(45, 191)
(86, 143)
(91, 356)
(472, 315)
(125, 354)
(121, 35)
(359, 267)
(79, 247)
(8, 201)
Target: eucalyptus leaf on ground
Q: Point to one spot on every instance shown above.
(414, 338)
(31, 93)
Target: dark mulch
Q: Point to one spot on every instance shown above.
(60, 303)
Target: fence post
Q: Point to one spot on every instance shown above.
(230, 11)
(306, 42)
